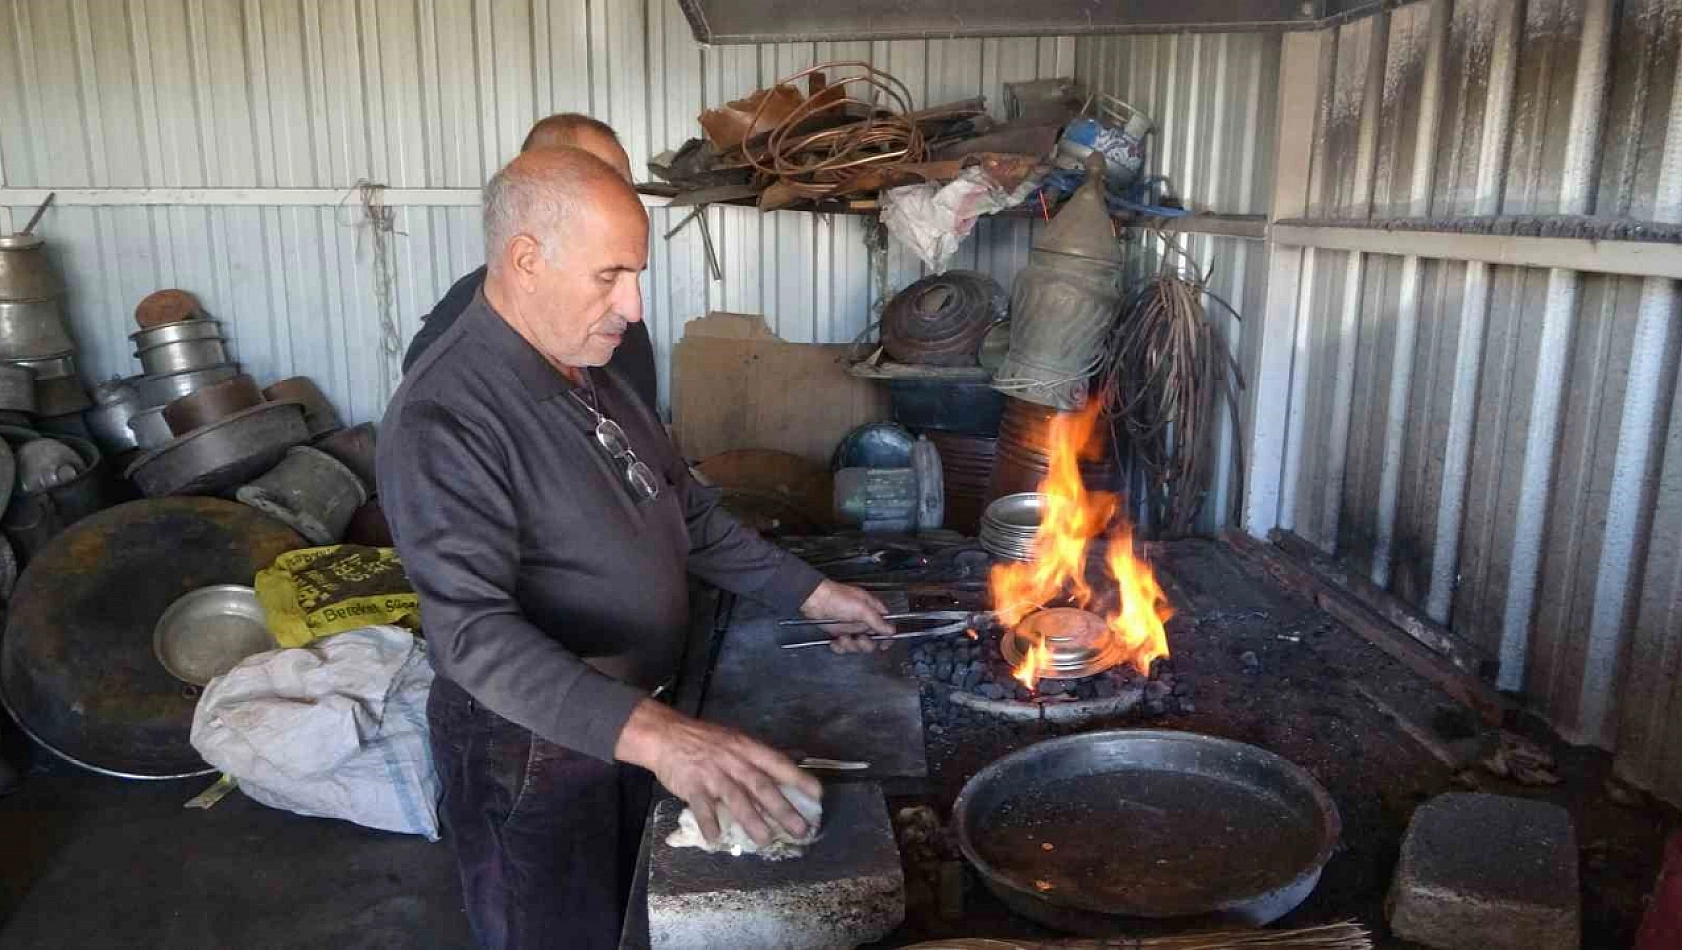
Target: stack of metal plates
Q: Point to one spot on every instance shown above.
(1009, 525)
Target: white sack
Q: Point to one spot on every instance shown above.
(336, 729)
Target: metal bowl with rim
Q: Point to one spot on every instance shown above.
(206, 632)
(1128, 829)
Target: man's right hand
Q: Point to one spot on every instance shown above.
(708, 765)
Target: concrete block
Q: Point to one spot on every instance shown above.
(1488, 872)
(848, 889)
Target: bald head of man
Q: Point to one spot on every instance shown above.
(565, 239)
(576, 130)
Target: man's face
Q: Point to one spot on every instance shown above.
(583, 300)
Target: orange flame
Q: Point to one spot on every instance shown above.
(1073, 519)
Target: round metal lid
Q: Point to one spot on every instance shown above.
(77, 667)
(1079, 641)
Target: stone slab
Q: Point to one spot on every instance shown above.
(1488, 872)
(811, 702)
(848, 889)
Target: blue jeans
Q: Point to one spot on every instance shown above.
(545, 838)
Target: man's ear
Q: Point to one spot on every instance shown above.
(525, 255)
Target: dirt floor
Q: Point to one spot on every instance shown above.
(87, 861)
(1302, 702)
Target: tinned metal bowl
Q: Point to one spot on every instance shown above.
(168, 387)
(1020, 513)
(182, 356)
(178, 332)
(206, 632)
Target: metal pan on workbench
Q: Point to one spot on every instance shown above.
(1133, 829)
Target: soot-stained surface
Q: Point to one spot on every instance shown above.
(1254, 663)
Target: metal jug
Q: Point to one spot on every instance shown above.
(1063, 303)
(31, 318)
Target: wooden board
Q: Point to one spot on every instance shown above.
(736, 385)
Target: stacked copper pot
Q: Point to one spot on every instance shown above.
(37, 356)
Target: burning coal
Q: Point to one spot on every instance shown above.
(1127, 599)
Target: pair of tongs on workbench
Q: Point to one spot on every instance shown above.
(951, 622)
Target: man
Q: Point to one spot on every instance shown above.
(548, 525)
(635, 357)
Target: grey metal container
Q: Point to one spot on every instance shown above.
(25, 272)
(1063, 302)
(168, 387)
(183, 356)
(178, 332)
(52, 366)
(115, 401)
(180, 347)
(311, 492)
(150, 428)
(34, 518)
(31, 329)
(223, 455)
(17, 388)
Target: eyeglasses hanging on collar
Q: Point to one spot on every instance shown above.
(612, 439)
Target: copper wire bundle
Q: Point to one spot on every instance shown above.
(1164, 367)
(813, 163)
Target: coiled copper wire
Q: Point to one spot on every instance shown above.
(814, 163)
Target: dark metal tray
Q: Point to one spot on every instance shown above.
(1105, 831)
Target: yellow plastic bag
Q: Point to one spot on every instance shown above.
(317, 592)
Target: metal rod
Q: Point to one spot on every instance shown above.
(707, 245)
(937, 632)
(35, 218)
(802, 622)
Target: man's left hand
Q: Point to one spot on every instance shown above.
(833, 601)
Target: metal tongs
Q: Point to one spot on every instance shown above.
(955, 621)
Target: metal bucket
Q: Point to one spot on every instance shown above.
(31, 329)
(319, 413)
(25, 272)
(311, 492)
(1021, 462)
(213, 402)
(182, 356)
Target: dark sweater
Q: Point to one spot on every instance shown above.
(549, 590)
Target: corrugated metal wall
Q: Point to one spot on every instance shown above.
(426, 95)
(1498, 444)
(1212, 99)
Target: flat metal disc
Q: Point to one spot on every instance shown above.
(77, 666)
